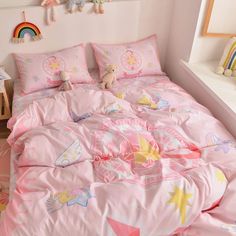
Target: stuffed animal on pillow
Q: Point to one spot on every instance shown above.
(72, 3)
(110, 77)
(98, 6)
(66, 84)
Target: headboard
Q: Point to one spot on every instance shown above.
(120, 23)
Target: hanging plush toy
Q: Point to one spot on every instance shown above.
(78, 3)
(98, 6)
(50, 11)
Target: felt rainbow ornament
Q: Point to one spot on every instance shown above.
(26, 28)
(227, 65)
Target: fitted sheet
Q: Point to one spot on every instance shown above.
(142, 159)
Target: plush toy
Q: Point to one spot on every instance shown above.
(66, 84)
(109, 78)
(50, 12)
(79, 3)
(98, 6)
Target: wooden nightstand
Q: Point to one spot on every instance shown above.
(4, 131)
(5, 112)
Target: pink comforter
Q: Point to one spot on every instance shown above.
(143, 160)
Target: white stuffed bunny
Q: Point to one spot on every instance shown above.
(66, 84)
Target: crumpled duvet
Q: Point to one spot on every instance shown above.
(144, 159)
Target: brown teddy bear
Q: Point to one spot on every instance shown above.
(110, 77)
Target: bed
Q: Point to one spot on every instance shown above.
(92, 162)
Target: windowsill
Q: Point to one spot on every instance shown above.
(223, 87)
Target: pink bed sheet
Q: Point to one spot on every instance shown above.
(144, 159)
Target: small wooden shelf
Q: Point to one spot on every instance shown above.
(5, 112)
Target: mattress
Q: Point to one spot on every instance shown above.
(142, 159)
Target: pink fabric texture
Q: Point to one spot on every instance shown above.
(143, 159)
(132, 59)
(40, 71)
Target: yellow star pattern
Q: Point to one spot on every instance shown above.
(120, 95)
(153, 106)
(2, 207)
(180, 198)
(146, 152)
(64, 197)
(54, 65)
(144, 101)
(220, 176)
(131, 60)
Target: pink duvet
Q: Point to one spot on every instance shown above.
(143, 160)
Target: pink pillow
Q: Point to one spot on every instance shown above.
(40, 71)
(132, 59)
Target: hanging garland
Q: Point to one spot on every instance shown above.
(73, 5)
(31, 29)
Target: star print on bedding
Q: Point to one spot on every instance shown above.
(221, 145)
(42, 70)
(132, 59)
(134, 171)
(71, 155)
(77, 196)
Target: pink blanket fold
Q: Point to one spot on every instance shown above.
(144, 159)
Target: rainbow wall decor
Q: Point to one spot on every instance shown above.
(26, 28)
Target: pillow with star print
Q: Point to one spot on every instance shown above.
(131, 59)
(42, 70)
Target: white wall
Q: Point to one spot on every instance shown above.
(16, 3)
(156, 17)
(124, 20)
(182, 32)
